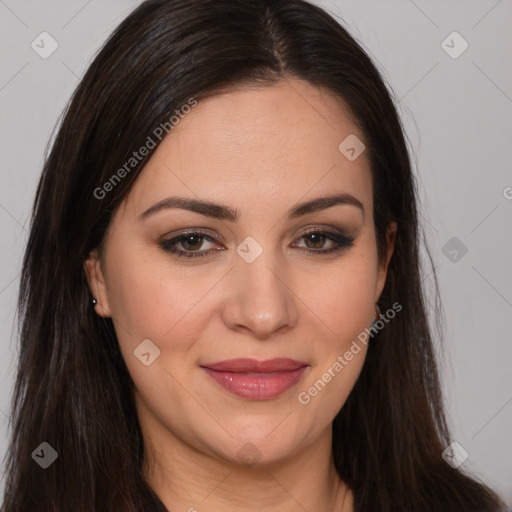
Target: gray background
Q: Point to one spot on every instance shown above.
(457, 113)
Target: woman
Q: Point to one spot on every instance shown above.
(231, 192)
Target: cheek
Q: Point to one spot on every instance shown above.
(149, 299)
(342, 296)
(344, 308)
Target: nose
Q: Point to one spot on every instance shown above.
(261, 299)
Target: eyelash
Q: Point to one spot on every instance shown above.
(341, 242)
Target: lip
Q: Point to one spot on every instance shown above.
(256, 380)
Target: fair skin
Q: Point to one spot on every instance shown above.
(261, 151)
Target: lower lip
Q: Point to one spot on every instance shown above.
(257, 386)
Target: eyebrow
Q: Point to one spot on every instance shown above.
(222, 212)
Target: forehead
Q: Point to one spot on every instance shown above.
(266, 144)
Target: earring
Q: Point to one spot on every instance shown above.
(94, 302)
(374, 321)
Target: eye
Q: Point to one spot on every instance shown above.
(192, 242)
(316, 238)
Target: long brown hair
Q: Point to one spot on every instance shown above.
(73, 390)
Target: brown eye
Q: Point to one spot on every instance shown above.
(188, 245)
(192, 242)
(316, 239)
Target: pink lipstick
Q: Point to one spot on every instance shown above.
(256, 380)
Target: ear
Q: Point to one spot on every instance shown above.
(383, 266)
(97, 283)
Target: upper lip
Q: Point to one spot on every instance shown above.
(244, 365)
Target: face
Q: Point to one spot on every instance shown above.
(264, 274)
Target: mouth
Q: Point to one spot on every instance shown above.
(256, 380)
